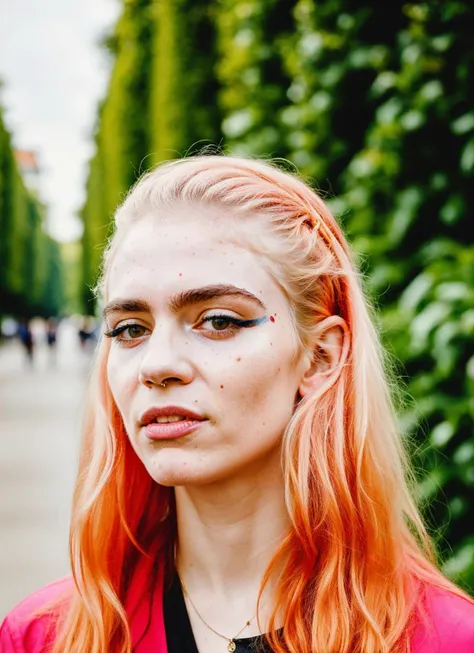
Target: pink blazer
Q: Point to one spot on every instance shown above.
(450, 628)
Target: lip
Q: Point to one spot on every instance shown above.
(165, 411)
(155, 431)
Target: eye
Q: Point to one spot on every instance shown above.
(135, 331)
(219, 326)
(127, 332)
(223, 326)
(220, 323)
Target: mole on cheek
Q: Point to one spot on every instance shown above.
(222, 387)
(238, 359)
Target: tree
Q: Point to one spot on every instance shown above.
(24, 265)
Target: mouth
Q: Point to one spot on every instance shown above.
(168, 422)
(171, 419)
(169, 414)
(171, 430)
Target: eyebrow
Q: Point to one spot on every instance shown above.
(182, 299)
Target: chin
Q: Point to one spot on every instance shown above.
(172, 468)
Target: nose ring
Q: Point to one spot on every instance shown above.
(163, 384)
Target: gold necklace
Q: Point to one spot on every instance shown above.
(231, 645)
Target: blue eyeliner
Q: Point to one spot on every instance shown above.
(250, 323)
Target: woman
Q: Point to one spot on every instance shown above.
(242, 483)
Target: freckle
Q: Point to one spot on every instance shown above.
(272, 319)
(238, 359)
(222, 387)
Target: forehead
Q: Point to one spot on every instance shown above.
(182, 249)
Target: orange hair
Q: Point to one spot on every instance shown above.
(357, 556)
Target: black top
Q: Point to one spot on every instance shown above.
(179, 634)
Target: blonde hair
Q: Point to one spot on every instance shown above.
(357, 556)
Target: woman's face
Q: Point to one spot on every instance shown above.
(191, 309)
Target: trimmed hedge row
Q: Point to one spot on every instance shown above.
(30, 262)
(374, 104)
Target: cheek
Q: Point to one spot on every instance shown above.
(259, 385)
(121, 381)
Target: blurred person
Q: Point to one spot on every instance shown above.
(51, 332)
(242, 484)
(52, 336)
(8, 328)
(83, 333)
(86, 333)
(25, 336)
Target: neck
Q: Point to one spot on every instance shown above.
(228, 532)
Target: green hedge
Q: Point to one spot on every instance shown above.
(373, 102)
(30, 270)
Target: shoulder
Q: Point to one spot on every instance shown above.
(29, 627)
(446, 625)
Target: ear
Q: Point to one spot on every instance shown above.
(328, 356)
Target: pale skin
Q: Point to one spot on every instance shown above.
(227, 474)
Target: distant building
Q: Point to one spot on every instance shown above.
(28, 163)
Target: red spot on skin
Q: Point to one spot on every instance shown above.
(222, 387)
(180, 274)
(272, 319)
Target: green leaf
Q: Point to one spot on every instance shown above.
(441, 434)
(424, 323)
(460, 561)
(431, 91)
(453, 210)
(464, 454)
(463, 124)
(412, 120)
(416, 292)
(467, 157)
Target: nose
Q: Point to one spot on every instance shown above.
(166, 359)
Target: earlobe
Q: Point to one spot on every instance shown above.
(328, 356)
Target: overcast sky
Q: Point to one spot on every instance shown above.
(54, 74)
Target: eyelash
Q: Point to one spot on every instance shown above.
(238, 324)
